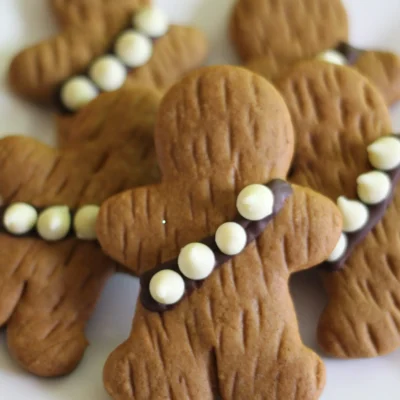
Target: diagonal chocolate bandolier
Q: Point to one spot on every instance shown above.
(375, 191)
(165, 285)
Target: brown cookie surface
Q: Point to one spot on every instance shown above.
(90, 31)
(235, 336)
(69, 12)
(286, 31)
(383, 69)
(337, 114)
(272, 36)
(48, 289)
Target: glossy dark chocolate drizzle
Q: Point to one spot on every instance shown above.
(351, 53)
(281, 190)
(376, 213)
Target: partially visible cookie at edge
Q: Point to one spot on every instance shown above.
(346, 149)
(104, 46)
(52, 270)
(272, 36)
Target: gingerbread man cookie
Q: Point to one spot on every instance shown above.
(216, 242)
(273, 35)
(104, 46)
(345, 149)
(52, 269)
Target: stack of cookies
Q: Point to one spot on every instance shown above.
(212, 185)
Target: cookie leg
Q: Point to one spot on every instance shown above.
(272, 366)
(362, 318)
(160, 360)
(46, 333)
(15, 270)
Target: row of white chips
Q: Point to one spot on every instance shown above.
(372, 188)
(53, 223)
(132, 49)
(196, 261)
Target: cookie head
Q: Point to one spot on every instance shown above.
(216, 244)
(218, 135)
(287, 30)
(208, 145)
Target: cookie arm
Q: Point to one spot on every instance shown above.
(37, 72)
(181, 50)
(307, 230)
(130, 227)
(383, 69)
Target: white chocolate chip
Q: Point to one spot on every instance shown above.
(373, 187)
(255, 202)
(20, 218)
(384, 153)
(85, 222)
(332, 57)
(78, 92)
(355, 214)
(196, 261)
(340, 249)
(133, 49)
(54, 223)
(108, 73)
(151, 21)
(231, 238)
(167, 287)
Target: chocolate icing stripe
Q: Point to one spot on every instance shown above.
(33, 233)
(281, 190)
(351, 53)
(57, 96)
(376, 213)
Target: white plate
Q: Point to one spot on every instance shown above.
(374, 24)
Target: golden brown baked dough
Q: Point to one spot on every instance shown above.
(89, 28)
(48, 290)
(235, 336)
(271, 36)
